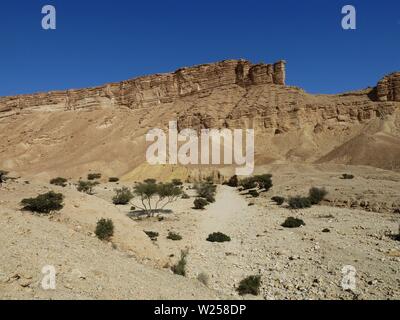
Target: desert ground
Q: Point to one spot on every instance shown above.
(360, 219)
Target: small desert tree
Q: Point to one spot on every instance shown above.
(86, 186)
(156, 196)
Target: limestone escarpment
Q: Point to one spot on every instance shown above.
(154, 90)
(71, 132)
(388, 88)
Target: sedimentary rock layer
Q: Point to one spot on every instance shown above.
(156, 89)
(388, 88)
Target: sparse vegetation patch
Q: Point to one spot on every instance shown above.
(316, 195)
(218, 237)
(104, 229)
(206, 190)
(174, 236)
(94, 176)
(347, 176)
(293, 223)
(59, 181)
(123, 196)
(86, 186)
(250, 285)
(200, 203)
(233, 181)
(262, 182)
(44, 203)
(180, 267)
(278, 200)
(152, 235)
(254, 193)
(299, 202)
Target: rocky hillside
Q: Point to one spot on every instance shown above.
(72, 132)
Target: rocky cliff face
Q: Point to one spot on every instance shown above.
(388, 88)
(71, 132)
(153, 90)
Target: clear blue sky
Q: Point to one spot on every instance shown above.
(105, 41)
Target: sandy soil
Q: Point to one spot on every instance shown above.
(302, 263)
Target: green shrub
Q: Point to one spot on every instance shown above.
(174, 236)
(264, 181)
(278, 200)
(248, 183)
(199, 203)
(185, 196)
(218, 237)
(299, 202)
(44, 203)
(206, 190)
(347, 176)
(180, 267)
(177, 182)
(152, 235)
(3, 176)
(233, 181)
(210, 198)
(254, 193)
(210, 179)
(61, 182)
(94, 176)
(123, 196)
(293, 223)
(250, 285)
(316, 195)
(113, 179)
(86, 186)
(104, 229)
